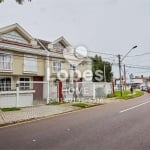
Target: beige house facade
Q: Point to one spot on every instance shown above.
(26, 61)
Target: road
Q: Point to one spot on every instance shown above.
(117, 126)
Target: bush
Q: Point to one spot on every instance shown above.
(56, 103)
(128, 95)
(10, 109)
(110, 95)
(81, 105)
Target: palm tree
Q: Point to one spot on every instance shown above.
(18, 1)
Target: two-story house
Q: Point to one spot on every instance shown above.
(30, 64)
(21, 59)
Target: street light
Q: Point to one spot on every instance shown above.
(119, 62)
(128, 52)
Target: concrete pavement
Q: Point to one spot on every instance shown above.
(100, 128)
(39, 111)
(34, 112)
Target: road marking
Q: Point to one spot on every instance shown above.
(134, 107)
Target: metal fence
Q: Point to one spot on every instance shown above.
(89, 91)
(27, 93)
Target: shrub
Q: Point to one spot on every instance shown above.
(110, 95)
(10, 109)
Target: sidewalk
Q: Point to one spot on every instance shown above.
(33, 112)
(38, 112)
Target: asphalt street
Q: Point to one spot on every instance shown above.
(117, 126)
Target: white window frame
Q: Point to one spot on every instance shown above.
(6, 66)
(57, 67)
(23, 84)
(5, 86)
(28, 68)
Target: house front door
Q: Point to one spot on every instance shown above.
(38, 87)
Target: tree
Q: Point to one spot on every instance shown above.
(99, 64)
(18, 1)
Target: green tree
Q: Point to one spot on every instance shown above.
(18, 1)
(99, 64)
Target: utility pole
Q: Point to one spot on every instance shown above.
(125, 79)
(104, 73)
(119, 62)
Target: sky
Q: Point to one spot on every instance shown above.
(103, 26)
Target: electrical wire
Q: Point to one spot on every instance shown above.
(147, 53)
(101, 53)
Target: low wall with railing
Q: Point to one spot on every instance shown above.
(86, 90)
(9, 98)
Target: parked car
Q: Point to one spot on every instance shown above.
(144, 88)
(148, 89)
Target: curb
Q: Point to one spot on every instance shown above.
(14, 123)
(19, 122)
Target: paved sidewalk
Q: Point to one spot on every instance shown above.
(34, 112)
(39, 111)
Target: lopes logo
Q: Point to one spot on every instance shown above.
(75, 55)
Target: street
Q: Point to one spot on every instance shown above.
(117, 126)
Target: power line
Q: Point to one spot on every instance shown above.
(147, 53)
(143, 72)
(44, 58)
(137, 67)
(102, 53)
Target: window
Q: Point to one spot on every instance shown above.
(56, 66)
(5, 61)
(24, 83)
(30, 63)
(5, 83)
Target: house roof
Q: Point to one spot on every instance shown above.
(30, 42)
(63, 41)
(43, 43)
(18, 28)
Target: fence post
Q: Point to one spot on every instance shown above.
(93, 90)
(77, 91)
(17, 94)
(48, 88)
(58, 91)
